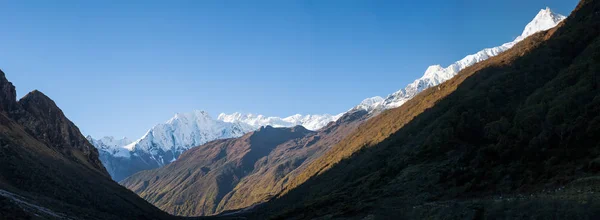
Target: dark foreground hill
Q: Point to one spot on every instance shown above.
(514, 137)
(48, 170)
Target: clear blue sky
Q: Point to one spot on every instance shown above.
(119, 67)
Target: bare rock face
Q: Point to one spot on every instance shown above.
(48, 170)
(8, 94)
(47, 122)
(42, 119)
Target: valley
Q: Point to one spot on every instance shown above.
(508, 132)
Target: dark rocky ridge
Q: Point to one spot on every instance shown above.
(46, 164)
(41, 118)
(47, 123)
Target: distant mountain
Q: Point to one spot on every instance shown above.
(163, 143)
(48, 170)
(263, 176)
(111, 145)
(311, 122)
(369, 104)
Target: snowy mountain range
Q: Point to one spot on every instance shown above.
(163, 143)
(111, 145)
(436, 74)
(310, 122)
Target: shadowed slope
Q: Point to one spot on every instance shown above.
(202, 176)
(523, 122)
(200, 181)
(49, 170)
(287, 160)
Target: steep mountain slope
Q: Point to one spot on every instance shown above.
(183, 132)
(436, 74)
(198, 181)
(41, 118)
(286, 161)
(511, 137)
(163, 143)
(265, 179)
(49, 170)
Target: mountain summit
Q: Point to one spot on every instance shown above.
(48, 170)
(436, 74)
(163, 143)
(183, 131)
(311, 122)
(544, 20)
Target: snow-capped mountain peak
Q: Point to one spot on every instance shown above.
(436, 74)
(433, 70)
(369, 104)
(191, 116)
(544, 20)
(311, 122)
(112, 145)
(186, 130)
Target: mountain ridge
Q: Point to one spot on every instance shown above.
(434, 75)
(203, 176)
(505, 139)
(265, 182)
(48, 170)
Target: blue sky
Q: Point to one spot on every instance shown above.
(119, 67)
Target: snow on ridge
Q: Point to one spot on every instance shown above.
(369, 104)
(187, 130)
(436, 74)
(112, 145)
(310, 122)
